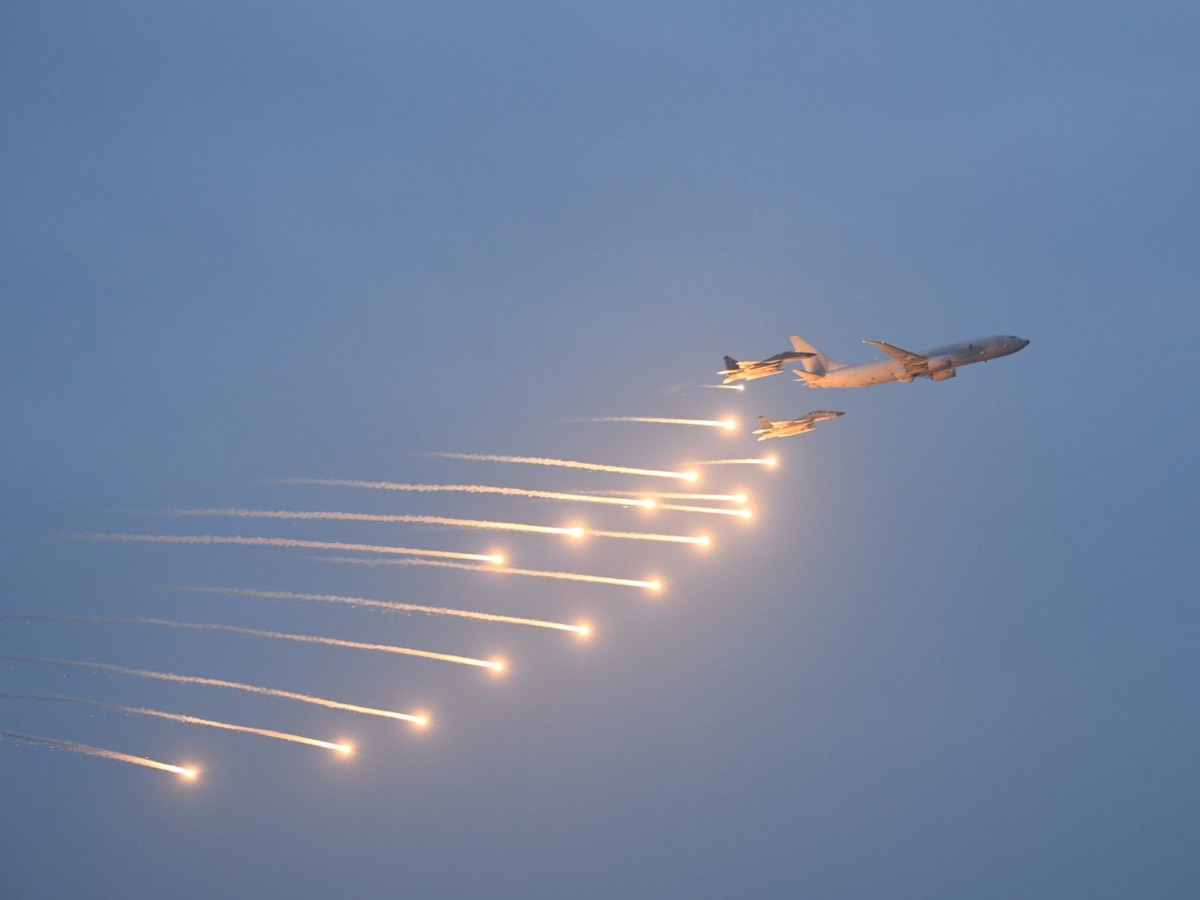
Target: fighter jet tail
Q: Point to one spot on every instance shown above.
(764, 421)
(731, 364)
(818, 363)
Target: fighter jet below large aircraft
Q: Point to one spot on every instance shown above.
(747, 370)
(938, 364)
(786, 428)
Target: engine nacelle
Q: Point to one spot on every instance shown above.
(940, 368)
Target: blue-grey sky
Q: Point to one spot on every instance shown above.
(953, 655)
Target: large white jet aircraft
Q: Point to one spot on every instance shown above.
(937, 364)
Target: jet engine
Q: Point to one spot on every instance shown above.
(940, 368)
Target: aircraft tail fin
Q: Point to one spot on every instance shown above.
(764, 421)
(818, 363)
(731, 364)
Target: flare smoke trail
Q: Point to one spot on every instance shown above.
(494, 665)
(742, 513)
(368, 517)
(575, 531)
(216, 682)
(283, 542)
(187, 720)
(385, 604)
(759, 461)
(727, 424)
(654, 585)
(725, 387)
(654, 496)
(568, 464)
(185, 771)
(699, 540)
(467, 489)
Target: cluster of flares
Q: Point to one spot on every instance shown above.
(493, 563)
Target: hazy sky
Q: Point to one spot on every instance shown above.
(954, 653)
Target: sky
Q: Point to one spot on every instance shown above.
(952, 654)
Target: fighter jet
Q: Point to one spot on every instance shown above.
(795, 426)
(747, 370)
(937, 364)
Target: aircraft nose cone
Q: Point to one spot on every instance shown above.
(1024, 343)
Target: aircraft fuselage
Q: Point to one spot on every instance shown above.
(941, 363)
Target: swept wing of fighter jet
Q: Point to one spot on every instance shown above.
(747, 370)
(938, 364)
(785, 428)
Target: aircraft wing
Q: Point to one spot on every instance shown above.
(914, 363)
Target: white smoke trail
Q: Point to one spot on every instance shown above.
(216, 682)
(369, 517)
(654, 496)
(187, 720)
(742, 513)
(568, 464)
(581, 497)
(653, 585)
(283, 542)
(727, 424)
(753, 461)
(253, 632)
(385, 604)
(186, 771)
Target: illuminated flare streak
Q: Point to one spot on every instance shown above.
(699, 540)
(216, 682)
(660, 495)
(368, 517)
(654, 585)
(385, 604)
(186, 771)
(345, 749)
(568, 464)
(728, 424)
(469, 489)
(284, 542)
(753, 461)
(274, 635)
(725, 387)
(740, 513)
